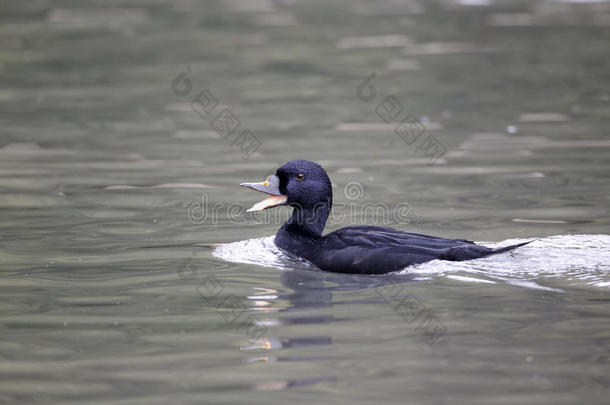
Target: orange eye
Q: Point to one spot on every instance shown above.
(300, 177)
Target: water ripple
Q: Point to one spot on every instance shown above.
(579, 260)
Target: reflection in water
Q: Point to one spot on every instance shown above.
(283, 384)
(311, 290)
(286, 342)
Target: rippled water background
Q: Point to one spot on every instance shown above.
(110, 293)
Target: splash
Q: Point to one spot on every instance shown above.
(261, 251)
(581, 260)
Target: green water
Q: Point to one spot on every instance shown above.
(109, 291)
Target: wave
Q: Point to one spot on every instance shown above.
(578, 260)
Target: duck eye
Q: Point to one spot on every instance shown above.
(300, 177)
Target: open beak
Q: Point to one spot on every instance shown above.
(270, 186)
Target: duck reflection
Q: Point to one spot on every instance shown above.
(312, 290)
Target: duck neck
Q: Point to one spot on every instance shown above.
(309, 221)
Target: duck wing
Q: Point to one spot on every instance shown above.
(376, 250)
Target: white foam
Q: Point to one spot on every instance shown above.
(261, 251)
(577, 259)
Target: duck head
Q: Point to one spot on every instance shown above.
(299, 183)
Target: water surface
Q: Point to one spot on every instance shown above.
(120, 279)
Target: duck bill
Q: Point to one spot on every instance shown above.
(270, 186)
(271, 201)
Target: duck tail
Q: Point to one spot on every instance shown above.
(507, 248)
